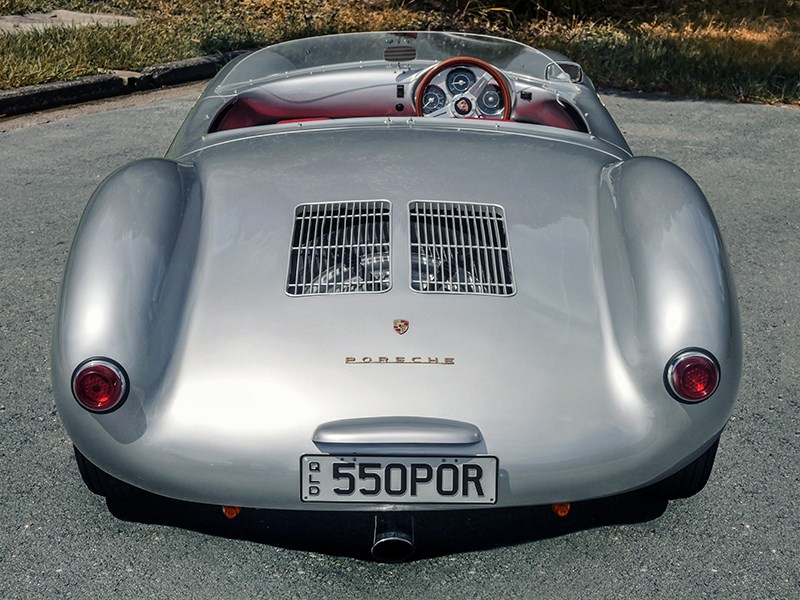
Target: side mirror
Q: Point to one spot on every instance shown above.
(557, 70)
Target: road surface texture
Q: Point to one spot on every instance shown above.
(737, 539)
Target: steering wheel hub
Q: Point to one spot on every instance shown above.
(463, 106)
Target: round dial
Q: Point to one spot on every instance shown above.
(433, 99)
(460, 80)
(491, 101)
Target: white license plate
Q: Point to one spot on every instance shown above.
(399, 479)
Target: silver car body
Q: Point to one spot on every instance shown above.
(243, 385)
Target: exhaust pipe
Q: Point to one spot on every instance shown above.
(393, 541)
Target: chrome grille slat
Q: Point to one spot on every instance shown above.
(339, 248)
(500, 280)
(473, 247)
(460, 248)
(299, 233)
(491, 257)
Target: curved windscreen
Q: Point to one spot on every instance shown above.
(407, 51)
(402, 47)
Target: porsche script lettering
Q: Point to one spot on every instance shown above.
(399, 360)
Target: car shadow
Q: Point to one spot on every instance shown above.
(437, 533)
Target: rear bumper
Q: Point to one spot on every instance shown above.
(253, 474)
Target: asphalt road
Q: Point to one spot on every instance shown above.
(738, 539)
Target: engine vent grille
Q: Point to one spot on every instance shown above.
(340, 248)
(460, 248)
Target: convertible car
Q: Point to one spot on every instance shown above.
(396, 272)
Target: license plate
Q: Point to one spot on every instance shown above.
(399, 479)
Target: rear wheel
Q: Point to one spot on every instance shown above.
(101, 483)
(689, 480)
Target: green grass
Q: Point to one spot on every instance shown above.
(749, 50)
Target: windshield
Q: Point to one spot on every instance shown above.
(405, 47)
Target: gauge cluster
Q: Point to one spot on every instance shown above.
(463, 91)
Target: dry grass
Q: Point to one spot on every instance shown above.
(716, 60)
(748, 49)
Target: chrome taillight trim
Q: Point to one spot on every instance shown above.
(109, 364)
(676, 360)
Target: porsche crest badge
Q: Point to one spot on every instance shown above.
(400, 326)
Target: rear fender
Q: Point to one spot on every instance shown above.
(667, 277)
(127, 276)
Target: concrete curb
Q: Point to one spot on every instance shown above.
(96, 87)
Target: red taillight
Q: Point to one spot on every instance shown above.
(692, 375)
(99, 385)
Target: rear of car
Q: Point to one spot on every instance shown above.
(360, 315)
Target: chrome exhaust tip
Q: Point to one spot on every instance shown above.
(393, 540)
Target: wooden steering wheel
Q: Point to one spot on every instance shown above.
(466, 104)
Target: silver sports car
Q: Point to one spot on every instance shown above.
(395, 272)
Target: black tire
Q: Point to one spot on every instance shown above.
(101, 483)
(689, 480)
